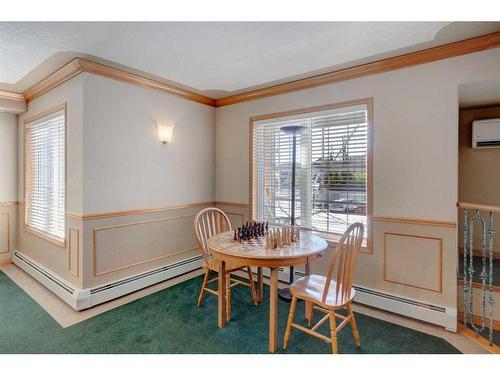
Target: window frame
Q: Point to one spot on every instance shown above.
(34, 231)
(332, 239)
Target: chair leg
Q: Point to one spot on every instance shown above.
(289, 322)
(228, 297)
(355, 331)
(252, 286)
(203, 287)
(309, 313)
(333, 332)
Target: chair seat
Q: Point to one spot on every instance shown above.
(312, 287)
(214, 266)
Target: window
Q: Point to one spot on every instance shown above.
(332, 172)
(45, 175)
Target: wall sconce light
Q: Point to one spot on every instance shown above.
(165, 131)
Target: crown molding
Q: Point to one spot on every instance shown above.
(444, 51)
(135, 79)
(53, 80)
(7, 95)
(11, 102)
(79, 65)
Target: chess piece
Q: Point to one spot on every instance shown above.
(268, 241)
(234, 237)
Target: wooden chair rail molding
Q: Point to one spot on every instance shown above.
(9, 203)
(480, 207)
(137, 211)
(410, 220)
(78, 65)
(445, 51)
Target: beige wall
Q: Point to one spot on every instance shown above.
(8, 157)
(8, 183)
(127, 168)
(479, 170)
(125, 165)
(415, 161)
(54, 257)
(114, 163)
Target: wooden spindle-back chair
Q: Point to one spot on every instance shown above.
(207, 223)
(330, 293)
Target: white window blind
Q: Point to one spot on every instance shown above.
(45, 175)
(331, 169)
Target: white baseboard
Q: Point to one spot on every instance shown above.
(81, 299)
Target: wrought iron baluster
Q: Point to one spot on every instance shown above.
(465, 229)
(491, 237)
(487, 232)
(476, 217)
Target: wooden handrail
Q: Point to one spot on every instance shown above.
(476, 206)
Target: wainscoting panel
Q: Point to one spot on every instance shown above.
(237, 212)
(413, 260)
(121, 246)
(4, 232)
(74, 252)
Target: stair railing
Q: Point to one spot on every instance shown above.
(486, 272)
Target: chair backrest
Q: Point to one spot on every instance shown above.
(341, 269)
(207, 223)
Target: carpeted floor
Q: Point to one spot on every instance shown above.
(169, 322)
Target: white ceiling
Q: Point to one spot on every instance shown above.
(215, 58)
(479, 93)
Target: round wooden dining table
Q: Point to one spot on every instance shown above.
(226, 252)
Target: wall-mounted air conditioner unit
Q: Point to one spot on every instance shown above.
(486, 133)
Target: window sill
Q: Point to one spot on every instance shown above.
(45, 236)
(333, 240)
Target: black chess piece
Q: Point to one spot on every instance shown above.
(234, 237)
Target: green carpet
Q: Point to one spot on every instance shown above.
(170, 322)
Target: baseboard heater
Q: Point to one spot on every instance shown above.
(128, 285)
(81, 299)
(63, 289)
(442, 316)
